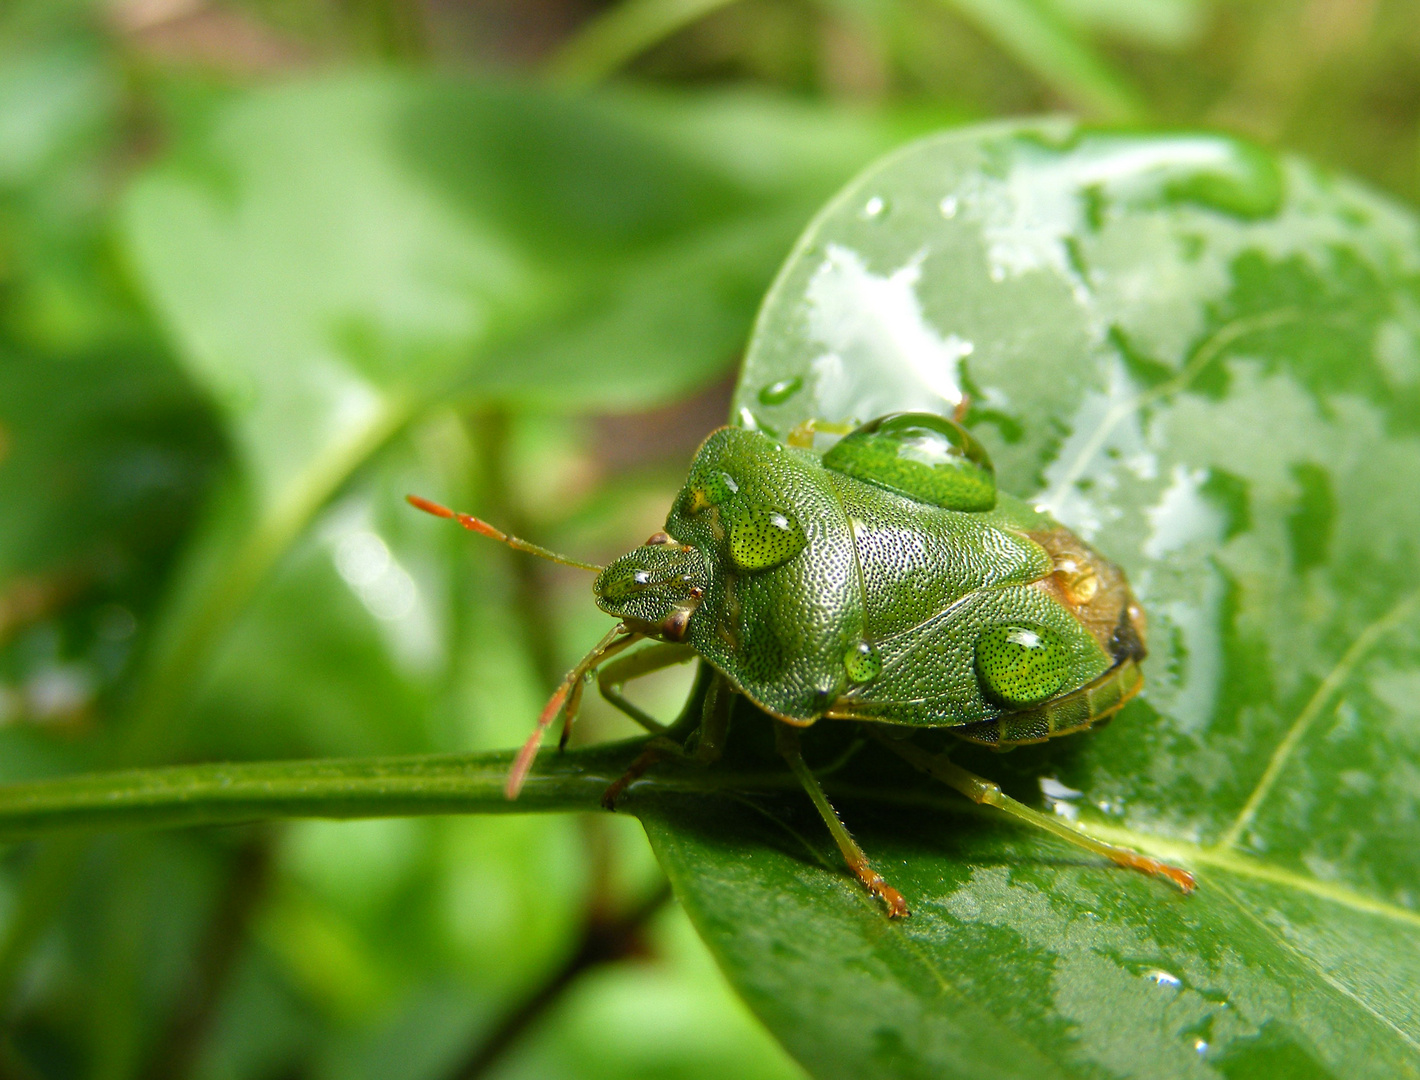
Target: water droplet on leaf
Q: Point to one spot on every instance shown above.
(777, 393)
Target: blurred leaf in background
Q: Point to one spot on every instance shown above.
(264, 268)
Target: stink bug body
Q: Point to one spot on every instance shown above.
(886, 582)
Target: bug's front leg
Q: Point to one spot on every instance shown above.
(802, 435)
(787, 740)
(983, 791)
(565, 702)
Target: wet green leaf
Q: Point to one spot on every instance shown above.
(1208, 364)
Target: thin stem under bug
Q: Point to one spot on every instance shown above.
(478, 525)
(983, 791)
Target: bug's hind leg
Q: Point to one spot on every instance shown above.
(787, 738)
(802, 435)
(983, 791)
(714, 720)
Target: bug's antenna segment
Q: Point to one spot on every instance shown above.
(478, 525)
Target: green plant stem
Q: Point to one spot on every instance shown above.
(1056, 54)
(224, 794)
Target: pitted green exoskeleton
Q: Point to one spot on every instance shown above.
(886, 582)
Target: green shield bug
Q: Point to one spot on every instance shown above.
(885, 582)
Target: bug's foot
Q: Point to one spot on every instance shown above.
(1134, 861)
(893, 900)
(634, 772)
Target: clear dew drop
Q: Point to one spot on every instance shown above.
(948, 207)
(863, 663)
(776, 393)
(1160, 977)
(761, 537)
(874, 208)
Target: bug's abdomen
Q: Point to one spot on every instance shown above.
(982, 617)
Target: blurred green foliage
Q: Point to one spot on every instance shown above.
(264, 267)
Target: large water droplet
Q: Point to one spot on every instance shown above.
(1020, 664)
(761, 537)
(921, 455)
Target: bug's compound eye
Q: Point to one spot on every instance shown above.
(761, 537)
(926, 457)
(863, 663)
(1020, 664)
(658, 539)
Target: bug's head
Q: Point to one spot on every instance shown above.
(656, 588)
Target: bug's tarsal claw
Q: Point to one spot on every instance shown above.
(634, 772)
(893, 900)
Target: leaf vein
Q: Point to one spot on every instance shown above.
(1342, 670)
(1311, 962)
(1209, 351)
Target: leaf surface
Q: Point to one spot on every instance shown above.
(1206, 363)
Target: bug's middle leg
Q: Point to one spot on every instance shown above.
(612, 677)
(787, 738)
(714, 724)
(983, 791)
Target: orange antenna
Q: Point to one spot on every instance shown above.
(478, 525)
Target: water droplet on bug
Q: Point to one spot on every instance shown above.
(925, 457)
(777, 393)
(874, 208)
(863, 663)
(948, 207)
(761, 537)
(711, 488)
(1020, 664)
(1160, 977)
(1200, 1046)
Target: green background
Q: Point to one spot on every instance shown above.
(266, 267)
